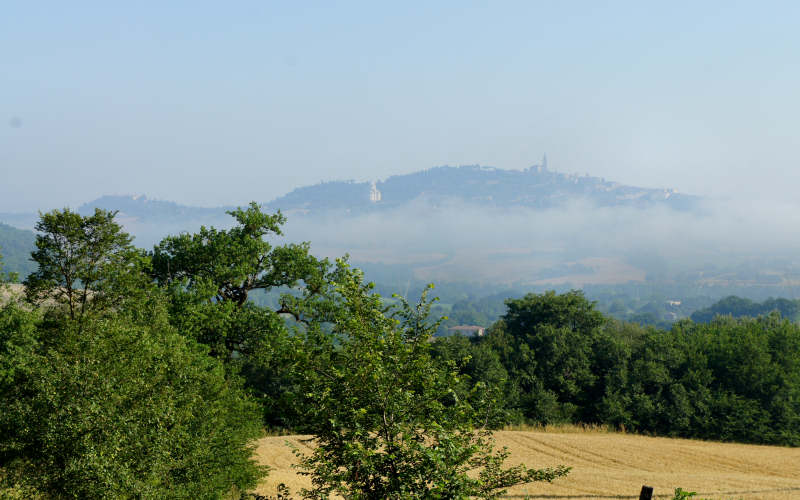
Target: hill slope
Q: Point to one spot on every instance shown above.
(15, 247)
(142, 208)
(536, 187)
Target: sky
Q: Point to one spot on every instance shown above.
(212, 103)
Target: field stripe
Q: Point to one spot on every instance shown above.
(613, 466)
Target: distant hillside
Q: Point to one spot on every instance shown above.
(151, 220)
(439, 245)
(15, 247)
(142, 208)
(535, 187)
(20, 220)
(740, 306)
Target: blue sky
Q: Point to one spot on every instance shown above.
(210, 103)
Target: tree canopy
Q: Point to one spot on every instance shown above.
(387, 420)
(103, 397)
(79, 259)
(228, 264)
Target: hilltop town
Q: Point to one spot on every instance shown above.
(536, 187)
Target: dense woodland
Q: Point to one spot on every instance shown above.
(558, 359)
(148, 374)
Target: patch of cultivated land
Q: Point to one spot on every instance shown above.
(9, 290)
(612, 465)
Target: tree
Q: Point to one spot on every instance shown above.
(119, 409)
(226, 265)
(549, 341)
(211, 275)
(567, 310)
(213, 272)
(480, 371)
(108, 400)
(386, 418)
(80, 260)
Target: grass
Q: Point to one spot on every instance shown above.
(610, 465)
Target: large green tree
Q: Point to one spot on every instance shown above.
(387, 420)
(553, 346)
(226, 265)
(103, 397)
(212, 273)
(82, 260)
(481, 374)
(123, 408)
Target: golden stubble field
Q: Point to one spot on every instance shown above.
(612, 465)
(8, 291)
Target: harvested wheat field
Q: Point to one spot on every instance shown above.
(9, 291)
(612, 465)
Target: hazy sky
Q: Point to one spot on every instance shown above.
(210, 103)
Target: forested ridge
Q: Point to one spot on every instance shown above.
(126, 372)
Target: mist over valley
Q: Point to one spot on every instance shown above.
(484, 231)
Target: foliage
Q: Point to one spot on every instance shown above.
(480, 373)
(103, 398)
(253, 342)
(81, 260)
(739, 307)
(156, 370)
(731, 379)
(387, 420)
(681, 494)
(122, 408)
(548, 344)
(211, 275)
(227, 264)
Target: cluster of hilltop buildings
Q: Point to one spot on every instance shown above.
(375, 194)
(536, 186)
(542, 167)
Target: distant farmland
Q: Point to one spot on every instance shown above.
(611, 465)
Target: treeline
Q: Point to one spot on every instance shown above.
(557, 359)
(738, 307)
(657, 311)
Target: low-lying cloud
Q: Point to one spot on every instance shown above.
(456, 240)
